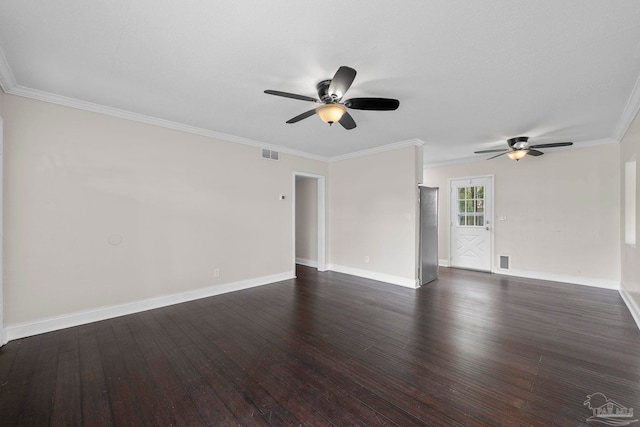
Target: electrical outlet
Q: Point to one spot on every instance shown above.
(366, 260)
(216, 272)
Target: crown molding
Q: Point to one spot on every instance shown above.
(8, 84)
(381, 149)
(141, 118)
(7, 79)
(628, 113)
(452, 162)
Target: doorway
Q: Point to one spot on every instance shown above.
(309, 220)
(471, 233)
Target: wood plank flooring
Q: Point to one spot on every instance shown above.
(471, 349)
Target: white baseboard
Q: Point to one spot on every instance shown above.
(551, 277)
(563, 278)
(74, 319)
(307, 262)
(631, 304)
(367, 274)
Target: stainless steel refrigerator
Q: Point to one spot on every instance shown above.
(428, 269)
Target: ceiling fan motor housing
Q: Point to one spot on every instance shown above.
(518, 143)
(323, 91)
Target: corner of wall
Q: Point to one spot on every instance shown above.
(629, 152)
(633, 307)
(2, 98)
(629, 113)
(372, 275)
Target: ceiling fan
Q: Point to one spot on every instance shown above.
(333, 109)
(519, 147)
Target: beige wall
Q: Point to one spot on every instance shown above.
(372, 213)
(182, 205)
(630, 151)
(562, 211)
(307, 219)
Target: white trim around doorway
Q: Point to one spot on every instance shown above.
(3, 333)
(492, 180)
(321, 182)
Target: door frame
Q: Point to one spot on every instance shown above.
(3, 335)
(492, 181)
(321, 186)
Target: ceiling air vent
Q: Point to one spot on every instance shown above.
(270, 154)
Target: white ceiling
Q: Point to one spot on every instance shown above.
(468, 74)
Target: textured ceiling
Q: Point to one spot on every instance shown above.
(468, 74)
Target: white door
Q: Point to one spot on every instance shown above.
(471, 223)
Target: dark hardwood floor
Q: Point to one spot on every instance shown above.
(330, 349)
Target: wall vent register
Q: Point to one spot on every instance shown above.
(505, 262)
(270, 154)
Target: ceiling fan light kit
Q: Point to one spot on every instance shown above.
(330, 93)
(331, 113)
(517, 154)
(519, 147)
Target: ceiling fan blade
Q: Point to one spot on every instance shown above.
(291, 95)
(302, 116)
(490, 151)
(347, 121)
(553, 144)
(378, 104)
(533, 152)
(498, 155)
(341, 82)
